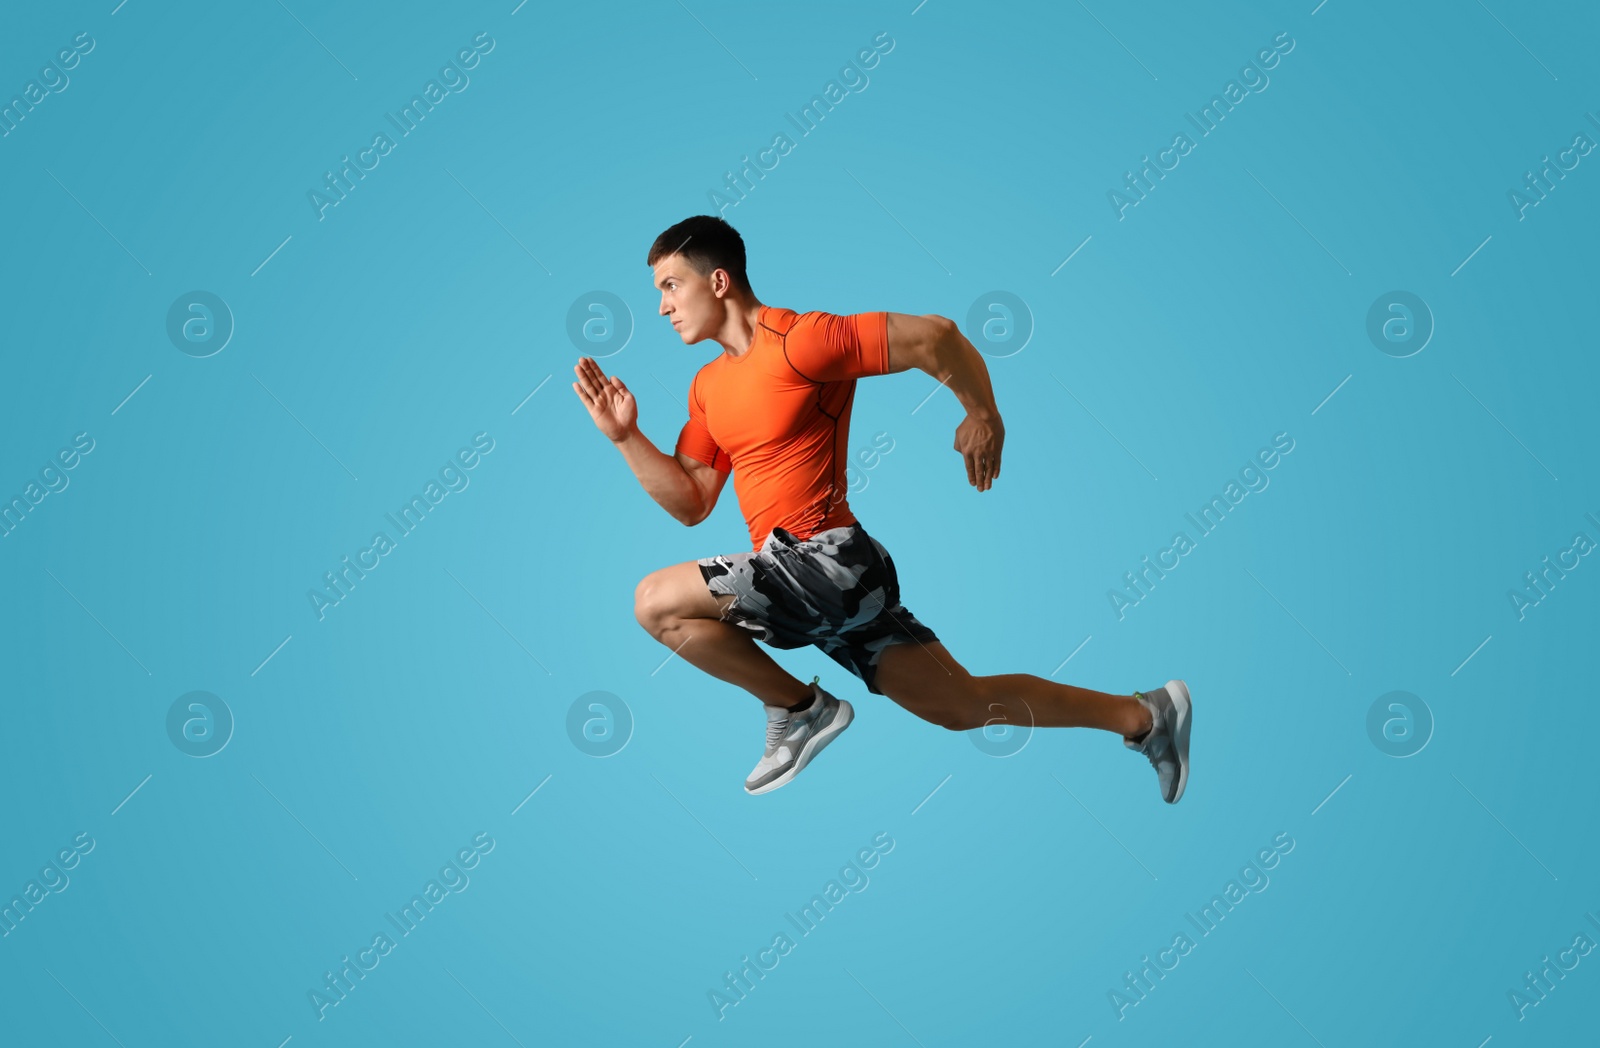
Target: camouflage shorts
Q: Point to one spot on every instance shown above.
(836, 590)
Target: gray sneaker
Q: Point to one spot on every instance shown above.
(793, 739)
(1166, 744)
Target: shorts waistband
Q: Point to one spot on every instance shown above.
(852, 530)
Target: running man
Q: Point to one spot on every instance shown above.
(773, 408)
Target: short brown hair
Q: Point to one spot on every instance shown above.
(708, 243)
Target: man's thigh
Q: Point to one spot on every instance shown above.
(676, 592)
(928, 681)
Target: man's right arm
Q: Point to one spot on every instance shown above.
(684, 487)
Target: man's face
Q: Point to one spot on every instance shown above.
(687, 298)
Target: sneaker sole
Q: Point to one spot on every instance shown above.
(1182, 715)
(813, 746)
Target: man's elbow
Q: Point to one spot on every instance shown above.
(695, 515)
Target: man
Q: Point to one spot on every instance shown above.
(774, 409)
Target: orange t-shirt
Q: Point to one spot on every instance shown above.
(778, 416)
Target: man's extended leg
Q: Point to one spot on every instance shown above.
(927, 680)
(675, 607)
(924, 679)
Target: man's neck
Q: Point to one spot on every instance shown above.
(739, 329)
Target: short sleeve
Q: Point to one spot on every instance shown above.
(825, 347)
(696, 440)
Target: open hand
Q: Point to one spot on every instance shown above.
(610, 403)
(979, 439)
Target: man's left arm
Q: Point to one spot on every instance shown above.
(935, 344)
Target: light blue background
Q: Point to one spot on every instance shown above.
(374, 744)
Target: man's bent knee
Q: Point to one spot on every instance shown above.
(647, 604)
(653, 605)
(670, 594)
